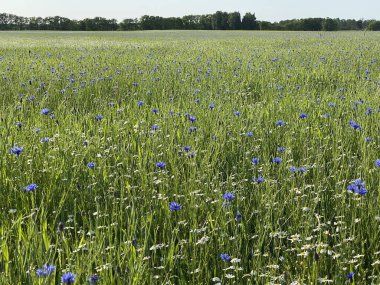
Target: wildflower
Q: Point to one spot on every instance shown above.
(154, 127)
(258, 180)
(355, 125)
(277, 160)
(45, 111)
(99, 118)
(369, 111)
(19, 125)
(173, 206)
(229, 196)
(249, 134)
(368, 139)
(225, 257)
(192, 119)
(187, 148)
(303, 116)
(377, 162)
(30, 188)
(237, 113)
(255, 161)
(161, 165)
(211, 106)
(280, 123)
(68, 278)
(44, 140)
(327, 115)
(281, 149)
(350, 275)
(45, 271)
(140, 103)
(357, 187)
(331, 104)
(238, 217)
(192, 130)
(155, 111)
(91, 165)
(17, 150)
(93, 279)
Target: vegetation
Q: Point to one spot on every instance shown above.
(189, 157)
(217, 21)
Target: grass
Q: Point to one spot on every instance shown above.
(113, 220)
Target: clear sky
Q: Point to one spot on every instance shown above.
(270, 10)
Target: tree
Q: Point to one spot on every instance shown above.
(249, 22)
(220, 21)
(329, 25)
(234, 21)
(374, 26)
(129, 25)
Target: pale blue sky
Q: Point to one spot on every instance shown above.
(271, 10)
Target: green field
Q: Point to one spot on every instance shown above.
(259, 137)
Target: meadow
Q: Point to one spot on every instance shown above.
(182, 157)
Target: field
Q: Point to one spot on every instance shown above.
(189, 158)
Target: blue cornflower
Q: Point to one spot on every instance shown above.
(154, 127)
(225, 257)
(258, 180)
(45, 111)
(174, 206)
(155, 111)
(45, 271)
(301, 169)
(229, 196)
(211, 106)
(238, 217)
(292, 169)
(368, 139)
(249, 134)
(99, 118)
(68, 278)
(93, 279)
(280, 123)
(303, 116)
(32, 98)
(192, 130)
(327, 115)
(44, 140)
(355, 125)
(91, 165)
(357, 187)
(331, 104)
(369, 111)
(237, 113)
(192, 118)
(255, 161)
(281, 149)
(161, 165)
(140, 103)
(31, 187)
(277, 160)
(19, 125)
(187, 148)
(377, 162)
(350, 275)
(17, 150)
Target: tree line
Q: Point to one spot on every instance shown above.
(217, 21)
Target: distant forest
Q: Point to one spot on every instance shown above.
(217, 21)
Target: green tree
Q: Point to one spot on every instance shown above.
(249, 22)
(329, 25)
(234, 21)
(374, 26)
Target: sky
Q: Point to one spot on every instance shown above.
(265, 10)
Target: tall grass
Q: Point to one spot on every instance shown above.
(300, 225)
